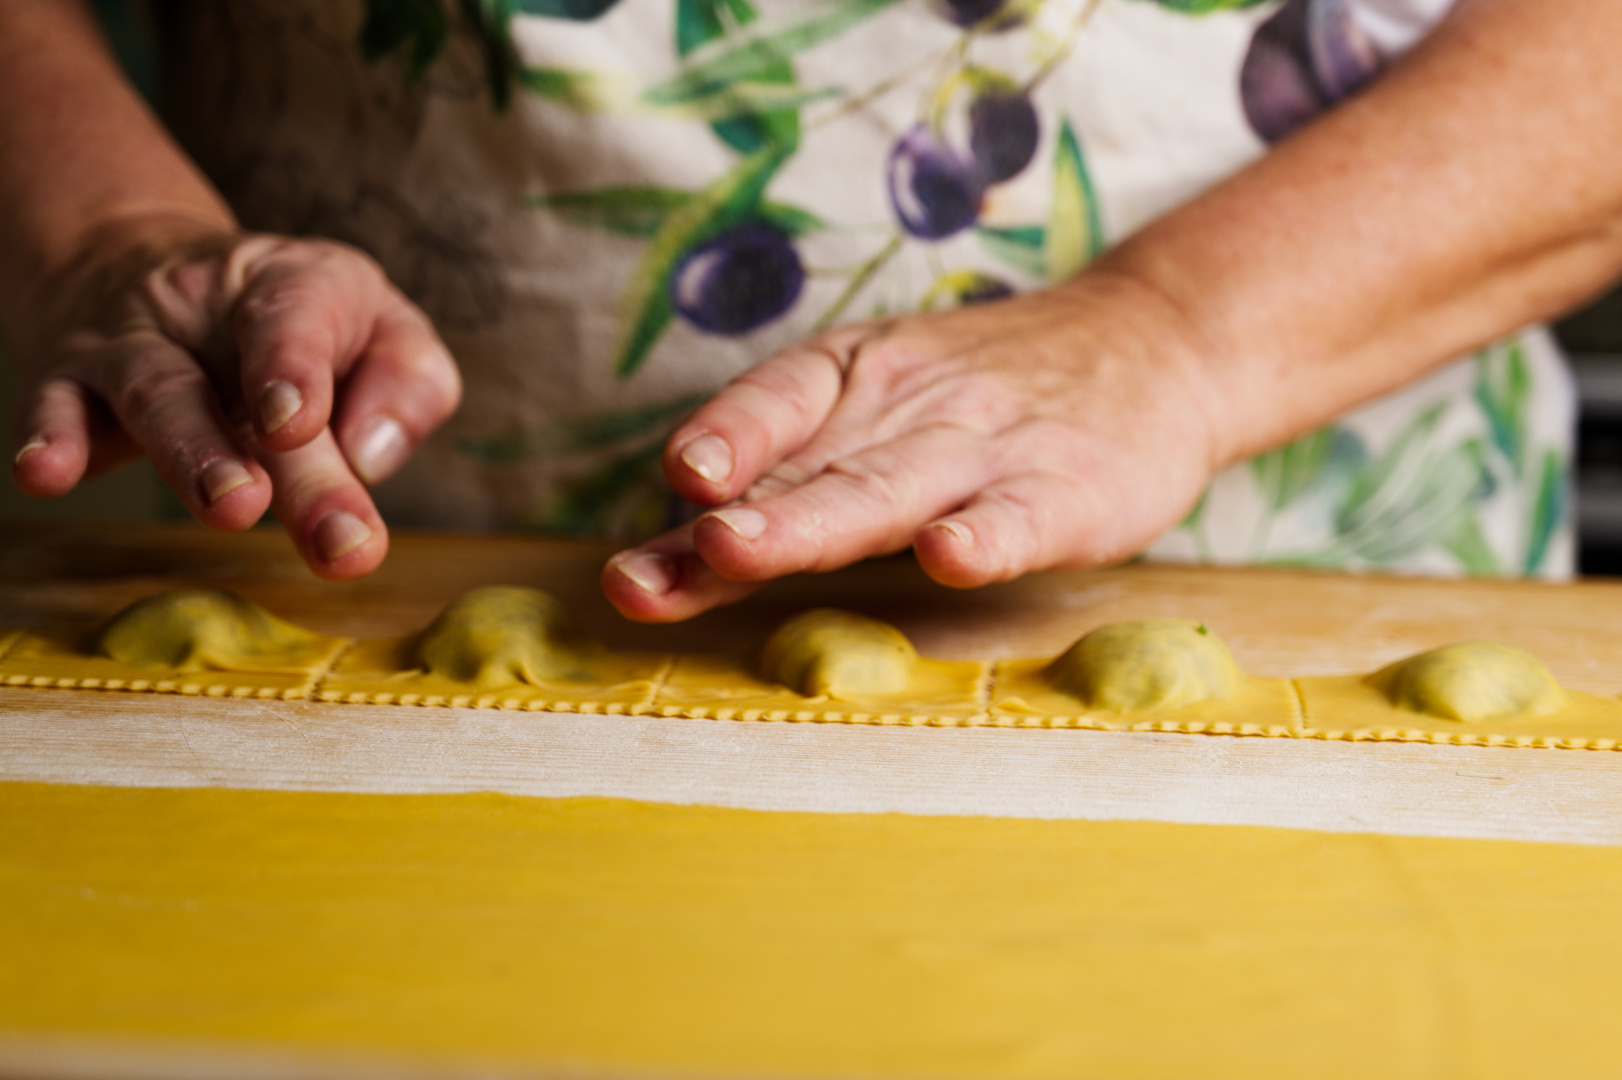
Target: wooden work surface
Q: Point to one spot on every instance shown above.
(1277, 624)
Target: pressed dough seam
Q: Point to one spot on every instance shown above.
(312, 685)
(704, 712)
(986, 689)
(868, 718)
(1300, 705)
(660, 681)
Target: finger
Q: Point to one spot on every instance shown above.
(755, 421)
(325, 510)
(402, 388)
(110, 445)
(664, 580)
(1031, 521)
(305, 314)
(870, 503)
(54, 431)
(166, 403)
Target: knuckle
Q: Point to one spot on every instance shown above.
(151, 389)
(898, 355)
(782, 391)
(1018, 522)
(979, 400)
(434, 370)
(267, 301)
(872, 484)
(784, 478)
(1043, 444)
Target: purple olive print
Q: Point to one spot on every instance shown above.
(1003, 133)
(1306, 57)
(935, 190)
(992, 15)
(1343, 57)
(738, 279)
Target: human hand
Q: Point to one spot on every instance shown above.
(256, 371)
(1062, 428)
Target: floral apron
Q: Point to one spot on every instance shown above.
(611, 207)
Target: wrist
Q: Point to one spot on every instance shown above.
(1201, 389)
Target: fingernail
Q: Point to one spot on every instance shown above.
(960, 532)
(339, 533)
(278, 403)
(710, 456)
(380, 448)
(36, 443)
(221, 477)
(653, 574)
(748, 524)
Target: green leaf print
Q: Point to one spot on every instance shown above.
(641, 211)
(1194, 524)
(1074, 235)
(597, 503)
(755, 58)
(587, 91)
(1320, 466)
(492, 25)
(1410, 497)
(629, 211)
(573, 435)
(616, 92)
(1023, 247)
(1468, 544)
(421, 27)
(575, 10)
(1548, 511)
(1285, 474)
(645, 308)
(1375, 481)
(1206, 7)
(1503, 390)
(699, 22)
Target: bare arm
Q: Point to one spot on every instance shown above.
(144, 321)
(1476, 188)
(84, 155)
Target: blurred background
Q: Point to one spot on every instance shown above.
(1593, 339)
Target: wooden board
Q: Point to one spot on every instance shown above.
(1278, 623)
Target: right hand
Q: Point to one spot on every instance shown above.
(255, 371)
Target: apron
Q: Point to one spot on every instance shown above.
(609, 208)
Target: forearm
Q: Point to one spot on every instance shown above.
(83, 155)
(1476, 188)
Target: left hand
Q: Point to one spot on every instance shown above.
(1068, 427)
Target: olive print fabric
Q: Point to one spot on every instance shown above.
(611, 207)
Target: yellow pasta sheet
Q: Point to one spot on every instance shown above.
(1025, 696)
(63, 660)
(606, 937)
(723, 687)
(1348, 707)
(517, 648)
(383, 673)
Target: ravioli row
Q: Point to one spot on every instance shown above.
(517, 648)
